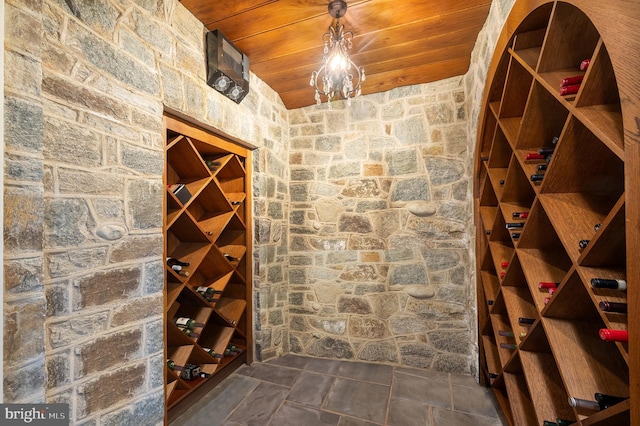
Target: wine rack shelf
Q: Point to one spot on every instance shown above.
(557, 204)
(208, 268)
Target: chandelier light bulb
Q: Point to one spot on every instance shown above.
(335, 76)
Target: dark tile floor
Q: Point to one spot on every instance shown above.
(303, 391)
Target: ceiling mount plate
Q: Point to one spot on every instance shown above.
(337, 8)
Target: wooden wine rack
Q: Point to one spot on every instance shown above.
(210, 229)
(593, 177)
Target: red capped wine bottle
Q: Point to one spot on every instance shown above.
(609, 335)
(569, 90)
(547, 284)
(570, 81)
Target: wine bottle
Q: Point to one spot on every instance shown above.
(493, 375)
(569, 90)
(536, 177)
(605, 401)
(542, 167)
(514, 225)
(522, 334)
(582, 244)
(569, 81)
(489, 302)
(531, 156)
(585, 64)
(564, 422)
(617, 307)
(511, 346)
(173, 366)
(505, 333)
(501, 182)
(551, 291)
(183, 273)
(184, 322)
(597, 226)
(609, 335)
(547, 300)
(613, 284)
(206, 290)
(526, 321)
(520, 215)
(236, 203)
(204, 375)
(173, 261)
(549, 423)
(229, 257)
(504, 264)
(484, 158)
(515, 235)
(487, 232)
(546, 151)
(190, 372)
(547, 284)
(502, 274)
(583, 403)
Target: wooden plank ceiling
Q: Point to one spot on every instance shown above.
(400, 42)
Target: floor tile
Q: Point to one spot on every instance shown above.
(473, 400)
(258, 407)
(458, 418)
(311, 389)
(291, 414)
(429, 374)
(431, 392)
(352, 421)
(404, 412)
(377, 373)
(324, 366)
(271, 373)
(214, 406)
(291, 361)
(358, 399)
(462, 380)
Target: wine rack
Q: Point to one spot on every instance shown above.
(556, 205)
(207, 230)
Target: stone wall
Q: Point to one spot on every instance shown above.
(380, 202)
(84, 155)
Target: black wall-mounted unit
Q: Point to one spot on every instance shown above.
(227, 67)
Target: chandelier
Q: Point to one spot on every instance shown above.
(338, 74)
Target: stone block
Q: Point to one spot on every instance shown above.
(22, 73)
(353, 305)
(437, 229)
(329, 347)
(361, 188)
(57, 300)
(137, 310)
(76, 328)
(355, 223)
(156, 371)
(142, 160)
(24, 330)
(379, 351)
(384, 305)
(106, 352)
(410, 189)
(21, 168)
(344, 169)
(24, 383)
(362, 110)
(299, 192)
(452, 363)
(72, 181)
(24, 32)
(61, 143)
(153, 277)
(407, 274)
(451, 341)
(110, 389)
(23, 275)
(436, 310)
(80, 97)
(367, 328)
(359, 273)
(68, 222)
(137, 247)
(366, 242)
(58, 370)
(144, 200)
(103, 287)
(23, 224)
(417, 355)
(328, 144)
(410, 131)
(403, 325)
(146, 411)
(107, 57)
(336, 326)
